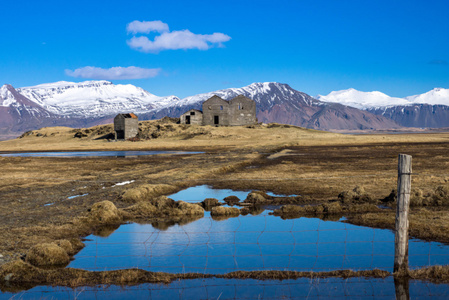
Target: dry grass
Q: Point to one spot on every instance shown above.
(20, 273)
(162, 207)
(437, 274)
(104, 212)
(147, 191)
(224, 211)
(47, 254)
(430, 224)
(316, 166)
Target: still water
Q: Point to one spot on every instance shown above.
(321, 288)
(93, 153)
(252, 242)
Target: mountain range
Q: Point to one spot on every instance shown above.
(97, 102)
(428, 110)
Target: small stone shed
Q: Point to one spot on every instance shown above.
(126, 126)
(193, 116)
(218, 112)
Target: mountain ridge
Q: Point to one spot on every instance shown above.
(90, 102)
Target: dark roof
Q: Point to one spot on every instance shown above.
(127, 116)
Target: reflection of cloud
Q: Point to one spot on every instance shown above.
(174, 40)
(440, 62)
(113, 73)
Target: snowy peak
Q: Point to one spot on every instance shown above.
(92, 98)
(437, 96)
(10, 97)
(371, 100)
(6, 96)
(362, 100)
(265, 94)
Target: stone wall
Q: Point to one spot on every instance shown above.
(216, 111)
(242, 111)
(193, 116)
(126, 126)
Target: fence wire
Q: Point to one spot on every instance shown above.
(249, 243)
(327, 288)
(214, 245)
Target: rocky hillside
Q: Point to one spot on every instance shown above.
(97, 102)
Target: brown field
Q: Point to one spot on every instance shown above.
(283, 159)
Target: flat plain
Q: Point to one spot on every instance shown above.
(46, 199)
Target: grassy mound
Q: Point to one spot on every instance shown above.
(48, 254)
(147, 191)
(104, 212)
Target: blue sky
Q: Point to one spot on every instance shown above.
(398, 47)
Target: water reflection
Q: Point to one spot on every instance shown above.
(262, 242)
(201, 192)
(303, 288)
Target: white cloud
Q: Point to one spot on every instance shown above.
(116, 73)
(146, 27)
(174, 40)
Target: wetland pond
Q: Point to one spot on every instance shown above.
(213, 288)
(93, 153)
(257, 241)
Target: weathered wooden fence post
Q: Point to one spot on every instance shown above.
(401, 227)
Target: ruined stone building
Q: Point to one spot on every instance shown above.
(193, 116)
(216, 111)
(126, 126)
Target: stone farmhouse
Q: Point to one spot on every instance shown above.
(126, 126)
(218, 112)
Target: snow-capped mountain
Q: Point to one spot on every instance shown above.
(92, 98)
(362, 100)
(97, 102)
(277, 102)
(437, 96)
(430, 109)
(17, 113)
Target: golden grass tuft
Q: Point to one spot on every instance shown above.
(256, 197)
(161, 207)
(224, 211)
(47, 254)
(190, 209)
(140, 210)
(231, 200)
(146, 192)
(208, 203)
(66, 245)
(325, 209)
(104, 212)
(357, 194)
(437, 274)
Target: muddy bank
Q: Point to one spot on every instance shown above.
(429, 224)
(19, 275)
(331, 208)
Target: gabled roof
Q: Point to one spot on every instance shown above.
(127, 116)
(196, 110)
(215, 97)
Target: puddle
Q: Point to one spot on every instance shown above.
(384, 207)
(49, 204)
(94, 153)
(321, 288)
(76, 196)
(262, 242)
(201, 192)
